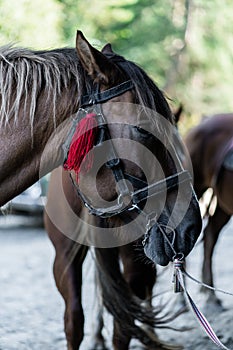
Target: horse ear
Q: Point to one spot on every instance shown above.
(107, 49)
(93, 61)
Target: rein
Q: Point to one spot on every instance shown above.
(179, 286)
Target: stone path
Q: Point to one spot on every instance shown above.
(31, 310)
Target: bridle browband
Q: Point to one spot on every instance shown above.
(127, 199)
(102, 96)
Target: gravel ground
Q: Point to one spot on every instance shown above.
(31, 309)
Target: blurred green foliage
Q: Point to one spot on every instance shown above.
(34, 24)
(185, 45)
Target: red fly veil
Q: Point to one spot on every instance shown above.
(81, 144)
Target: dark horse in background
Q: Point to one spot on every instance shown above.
(40, 95)
(210, 145)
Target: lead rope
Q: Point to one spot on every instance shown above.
(206, 285)
(179, 286)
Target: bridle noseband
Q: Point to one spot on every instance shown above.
(127, 199)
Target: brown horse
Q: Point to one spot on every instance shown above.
(41, 93)
(210, 145)
(129, 194)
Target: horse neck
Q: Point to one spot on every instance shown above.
(24, 145)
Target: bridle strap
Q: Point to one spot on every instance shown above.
(103, 96)
(157, 188)
(114, 163)
(153, 190)
(96, 98)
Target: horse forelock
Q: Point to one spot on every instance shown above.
(25, 73)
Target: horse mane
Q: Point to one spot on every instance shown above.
(25, 73)
(147, 93)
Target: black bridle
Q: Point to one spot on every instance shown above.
(127, 199)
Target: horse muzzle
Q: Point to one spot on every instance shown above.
(163, 243)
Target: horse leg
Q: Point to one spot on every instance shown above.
(68, 277)
(211, 233)
(115, 294)
(70, 288)
(98, 341)
(141, 277)
(120, 339)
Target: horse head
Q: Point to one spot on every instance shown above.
(123, 161)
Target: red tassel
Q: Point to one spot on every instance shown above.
(81, 144)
